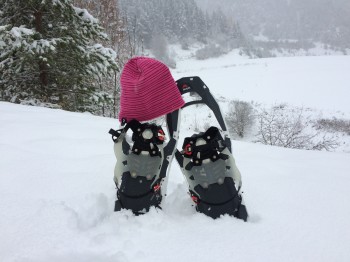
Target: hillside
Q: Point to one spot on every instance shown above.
(317, 86)
(319, 82)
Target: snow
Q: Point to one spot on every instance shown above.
(316, 86)
(315, 81)
(17, 32)
(86, 16)
(14, 37)
(319, 49)
(57, 192)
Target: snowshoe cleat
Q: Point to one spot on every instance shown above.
(207, 163)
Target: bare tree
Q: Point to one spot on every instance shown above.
(280, 126)
(240, 117)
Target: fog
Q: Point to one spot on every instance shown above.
(326, 21)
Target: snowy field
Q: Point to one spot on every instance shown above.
(57, 191)
(320, 85)
(321, 82)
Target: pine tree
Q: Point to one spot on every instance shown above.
(180, 21)
(49, 55)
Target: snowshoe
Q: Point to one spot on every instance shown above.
(142, 165)
(137, 171)
(207, 163)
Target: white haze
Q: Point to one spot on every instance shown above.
(326, 21)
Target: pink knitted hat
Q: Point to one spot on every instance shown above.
(147, 90)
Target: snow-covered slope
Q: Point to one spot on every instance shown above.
(321, 82)
(57, 195)
(317, 86)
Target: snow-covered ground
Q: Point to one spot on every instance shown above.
(57, 195)
(321, 82)
(320, 85)
(57, 191)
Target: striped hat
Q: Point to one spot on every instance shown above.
(147, 90)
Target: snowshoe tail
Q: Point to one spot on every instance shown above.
(207, 163)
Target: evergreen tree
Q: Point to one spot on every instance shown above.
(180, 21)
(110, 17)
(49, 55)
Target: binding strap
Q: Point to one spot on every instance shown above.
(203, 146)
(146, 137)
